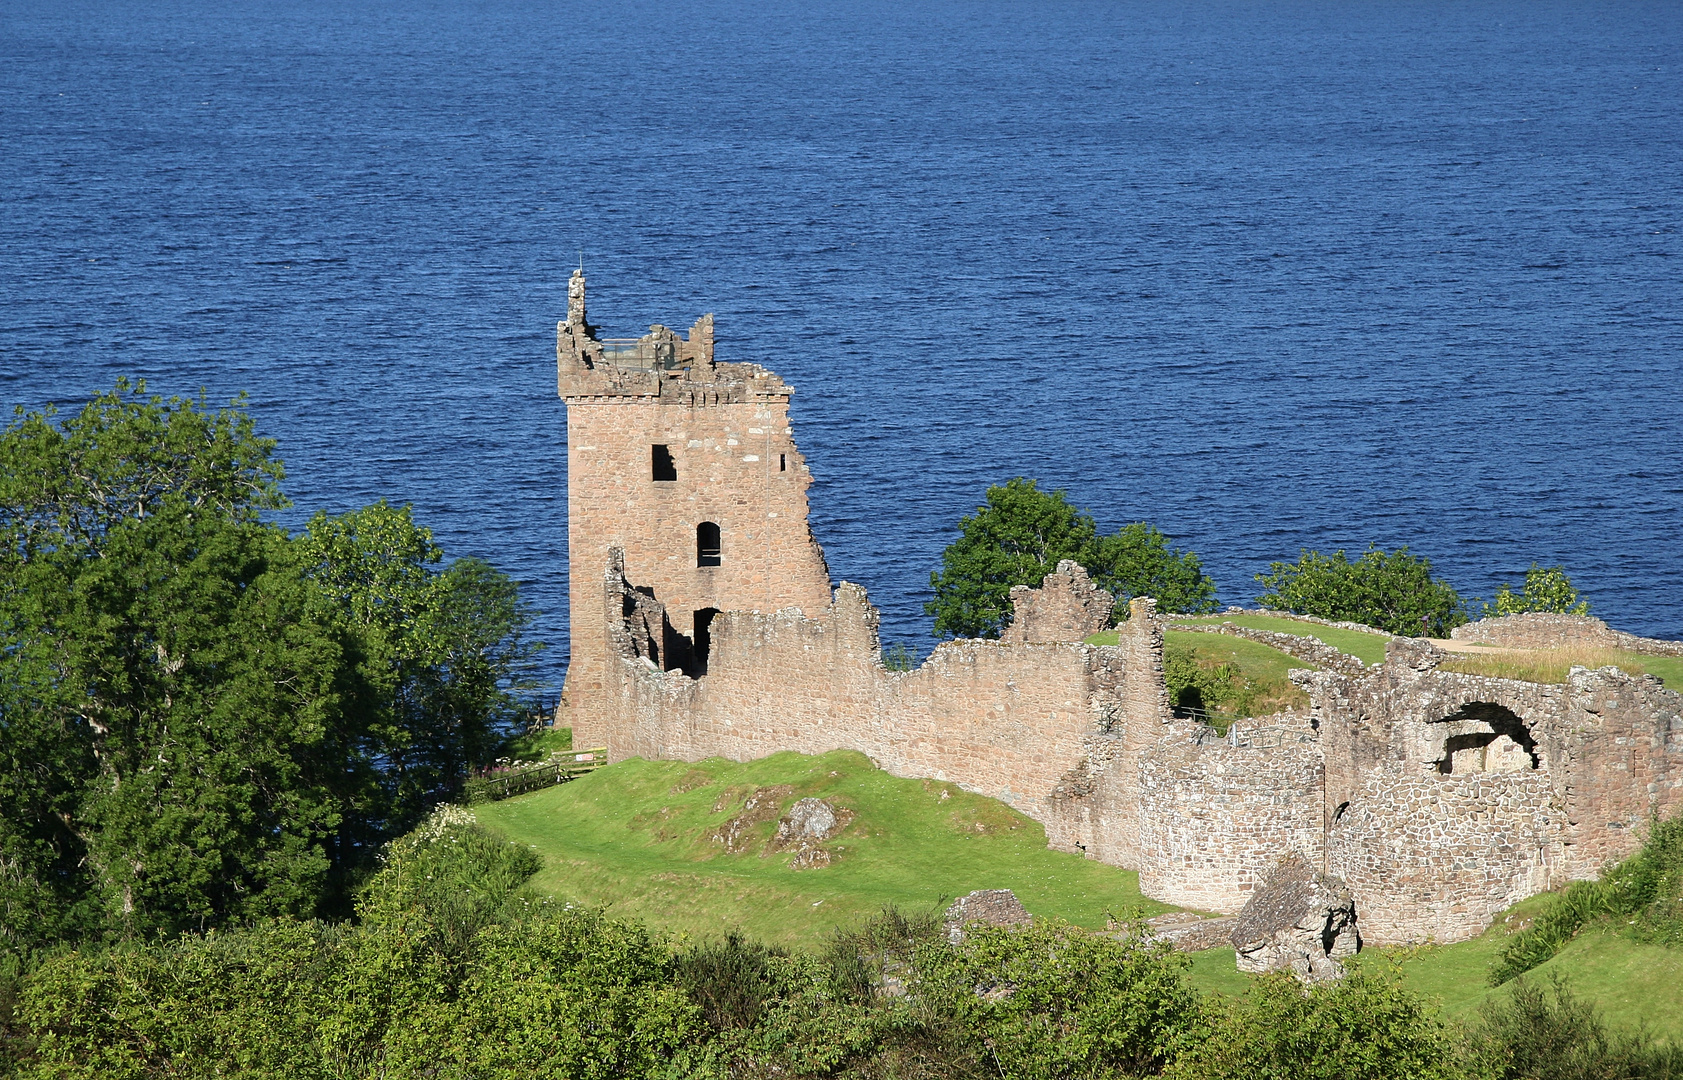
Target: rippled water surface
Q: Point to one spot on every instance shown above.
(1271, 276)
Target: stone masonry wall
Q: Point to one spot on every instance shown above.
(1217, 815)
(1000, 720)
(1430, 858)
(1066, 607)
(1546, 630)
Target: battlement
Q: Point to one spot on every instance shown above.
(661, 364)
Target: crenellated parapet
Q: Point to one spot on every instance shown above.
(662, 364)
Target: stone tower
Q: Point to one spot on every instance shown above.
(687, 466)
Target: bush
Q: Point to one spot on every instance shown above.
(1053, 1000)
(1363, 1027)
(1540, 1034)
(1547, 588)
(730, 980)
(1392, 591)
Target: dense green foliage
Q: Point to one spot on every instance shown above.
(1538, 1034)
(1547, 588)
(203, 719)
(1363, 1027)
(1388, 590)
(455, 969)
(1644, 894)
(1021, 535)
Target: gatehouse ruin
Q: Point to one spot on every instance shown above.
(704, 623)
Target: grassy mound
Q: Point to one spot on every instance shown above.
(1231, 677)
(680, 847)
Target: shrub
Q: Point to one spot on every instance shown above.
(1363, 1027)
(1053, 1000)
(1392, 591)
(1539, 1034)
(1547, 588)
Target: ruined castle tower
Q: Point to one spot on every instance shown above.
(687, 466)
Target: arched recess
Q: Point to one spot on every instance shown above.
(1486, 737)
(707, 551)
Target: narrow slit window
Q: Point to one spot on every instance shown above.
(782, 462)
(707, 544)
(664, 467)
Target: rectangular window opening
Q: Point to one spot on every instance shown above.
(664, 467)
(782, 462)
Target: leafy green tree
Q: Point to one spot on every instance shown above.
(1021, 535)
(1547, 588)
(167, 692)
(201, 718)
(445, 648)
(1392, 591)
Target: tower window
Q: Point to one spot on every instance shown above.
(782, 462)
(707, 544)
(664, 467)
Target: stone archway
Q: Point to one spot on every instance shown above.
(1482, 736)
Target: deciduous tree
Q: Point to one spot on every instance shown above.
(1390, 590)
(1021, 535)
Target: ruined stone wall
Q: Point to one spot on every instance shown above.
(1066, 607)
(1216, 815)
(1546, 630)
(1436, 858)
(1004, 721)
(1456, 795)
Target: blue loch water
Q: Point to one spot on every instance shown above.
(1270, 275)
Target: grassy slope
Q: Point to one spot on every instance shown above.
(1265, 667)
(1631, 983)
(637, 837)
(1368, 648)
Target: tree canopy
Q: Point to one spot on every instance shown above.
(199, 720)
(1022, 533)
(1388, 590)
(1546, 588)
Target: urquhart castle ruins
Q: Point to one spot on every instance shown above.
(704, 623)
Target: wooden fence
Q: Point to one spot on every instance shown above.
(560, 768)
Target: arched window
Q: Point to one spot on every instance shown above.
(707, 544)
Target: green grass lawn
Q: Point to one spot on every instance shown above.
(1632, 984)
(638, 838)
(1368, 648)
(1265, 668)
